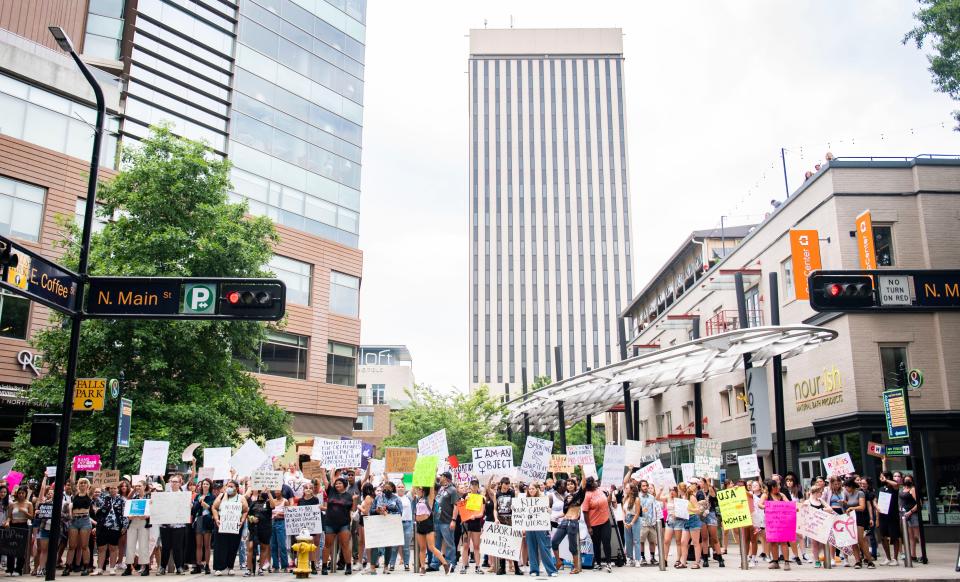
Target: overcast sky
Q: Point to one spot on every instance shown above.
(713, 89)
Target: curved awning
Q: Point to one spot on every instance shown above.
(653, 373)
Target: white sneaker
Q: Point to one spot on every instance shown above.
(229, 571)
(217, 573)
(607, 568)
(96, 572)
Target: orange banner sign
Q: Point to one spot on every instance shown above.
(868, 256)
(805, 252)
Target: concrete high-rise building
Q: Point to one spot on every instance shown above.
(550, 260)
(274, 85)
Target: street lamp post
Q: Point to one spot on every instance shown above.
(75, 320)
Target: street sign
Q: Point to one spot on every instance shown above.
(114, 388)
(89, 394)
(125, 415)
(878, 450)
(27, 273)
(895, 411)
(894, 290)
(199, 298)
(133, 296)
(939, 289)
(915, 378)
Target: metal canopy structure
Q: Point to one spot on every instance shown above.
(653, 373)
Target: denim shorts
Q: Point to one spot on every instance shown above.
(43, 534)
(81, 523)
(692, 523)
(329, 529)
(711, 518)
(676, 524)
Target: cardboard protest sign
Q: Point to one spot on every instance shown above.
(170, 508)
(316, 451)
(400, 460)
(734, 507)
(706, 458)
(492, 460)
(425, 471)
(187, 454)
(560, 464)
(264, 478)
(136, 508)
(839, 465)
(86, 463)
(633, 453)
(301, 517)
(536, 458)
(580, 455)
(613, 465)
(383, 531)
(104, 479)
(230, 514)
(248, 459)
(501, 541)
(153, 459)
(531, 513)
(781, 518)
(749, 466)
(312, 470)
(681, 508)
(687, 471)
(814, 523)
(275, 447)
(219, 459)
(50, 472)
(434, 444)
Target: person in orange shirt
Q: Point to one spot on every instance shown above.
(596, 512)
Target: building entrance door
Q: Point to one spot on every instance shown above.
(809, 467)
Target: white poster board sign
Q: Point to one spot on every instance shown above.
(230, 514)
(501, 541)
(749, 465)
(883, 502)
(681, 509)
(613, 465)
(536, 458)
(275, 447)
(687, 471)
(648, 472)
(298, 517)
(706, 458)
(153, 460)
(434, 444)
(218, 458)
(839, 465)
(170, 508)
(531, 513)
(383, 531)
(590, 471)
(580, 455)
(337, 454)
(633, 453)
(248, 459)
(814, 523)
(265, 478)
(492, 461)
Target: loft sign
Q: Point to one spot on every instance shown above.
(819, 391)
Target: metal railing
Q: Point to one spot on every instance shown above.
(728, 320)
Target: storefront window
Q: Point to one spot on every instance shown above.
(945, 461)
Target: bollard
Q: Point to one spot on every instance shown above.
(904, 534)
(744, 548)
(334, 555)
(662, 562)
(827, 556)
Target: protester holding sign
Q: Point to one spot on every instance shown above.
(19, 514)
(502, 495)
(309, 498)
(570, 523)
(229, 512)
(691, 524)
(772, 493)
(855, 502)
(709, 537)
(340, 503)
(43, 516)
(138, 536)
(538, 542)
(173, 536)
(815, 503)
(888, 507)
(387, 503)
(472, 520)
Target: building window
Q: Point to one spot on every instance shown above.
(99, 222)
(668, 421)
(752, 299)
(282, 354)
(361, 393)
(883, 245)
(740, 396)
(296, 275)
(378, 393)
(726, 410)
(893, 363)
(363, 422)
(660, 432)
(14, 314)
(344, 294)
(644, 430)
(21, 209)
(341, 364)
(786, 274)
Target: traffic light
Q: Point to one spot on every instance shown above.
(43, 434)
(842, 292)
(7, 258)
(253, 301)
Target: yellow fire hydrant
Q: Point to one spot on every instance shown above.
(303, 548)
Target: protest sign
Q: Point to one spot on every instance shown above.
(86, 463)
(44, 511)
(153, 459)
(13, 479)
(844, 531)
(400, 460)
(734, 507)
(377, 466)
(664, 478)
(647, 472)
(383, 531)
(492, 460)
(531, 513)
(266, 478)
(208, 473)
(883, 502)
(875, 449)
(136, 508)
(687, 471)
(781, 518)
(340, 454)
(633, 453)
(247, 459)
(749, 466)
(425, 471)
(230, 514)
(187, 454)
(501, 541)
(51, 471)
(6, 467)
(580, 455)
(463, 473)
(590, 470)
(706, 458)
(299, 517)
(434, 444)
(839, 465)
(681, 508)
(560, 464)
(106, 478)
(170, 508)
(14, 542)
(474, 502)
(316, 451)
(814, 523)
(312, 470)
(613, 465)
(536, 458)
(219, 459)
(275, 447)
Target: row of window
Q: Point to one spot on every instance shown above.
(345, 15)
(104, 29)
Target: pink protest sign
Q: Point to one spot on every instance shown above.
(781, 519)
(86, 463)
(13, 479)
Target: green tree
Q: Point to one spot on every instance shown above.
(172, 219)
(471, 420)
(939, 21)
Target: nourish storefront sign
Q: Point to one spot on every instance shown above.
(823, 390)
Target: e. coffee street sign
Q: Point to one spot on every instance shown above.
(27, 273)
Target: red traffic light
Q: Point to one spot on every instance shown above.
(233, 297)
(835, 289)
(841, 292)
(253, 301)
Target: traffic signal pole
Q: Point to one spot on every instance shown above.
(781, 423)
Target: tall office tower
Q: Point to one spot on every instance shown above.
(549, 204)
(274, 85)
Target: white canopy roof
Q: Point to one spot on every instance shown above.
(653, 373)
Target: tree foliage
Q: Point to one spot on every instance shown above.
(172, 218)
(939, 22)
(471, 420)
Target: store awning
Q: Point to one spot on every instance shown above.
(653, 373)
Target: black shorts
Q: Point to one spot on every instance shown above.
(889, 527)
(474, 525)
(863, 520)
(425, 527)
(260, 532)
(107, 537)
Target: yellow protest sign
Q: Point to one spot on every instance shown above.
(559, 464)
(425, 471)
(474, 502)
(734, 508)
(88, 393)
